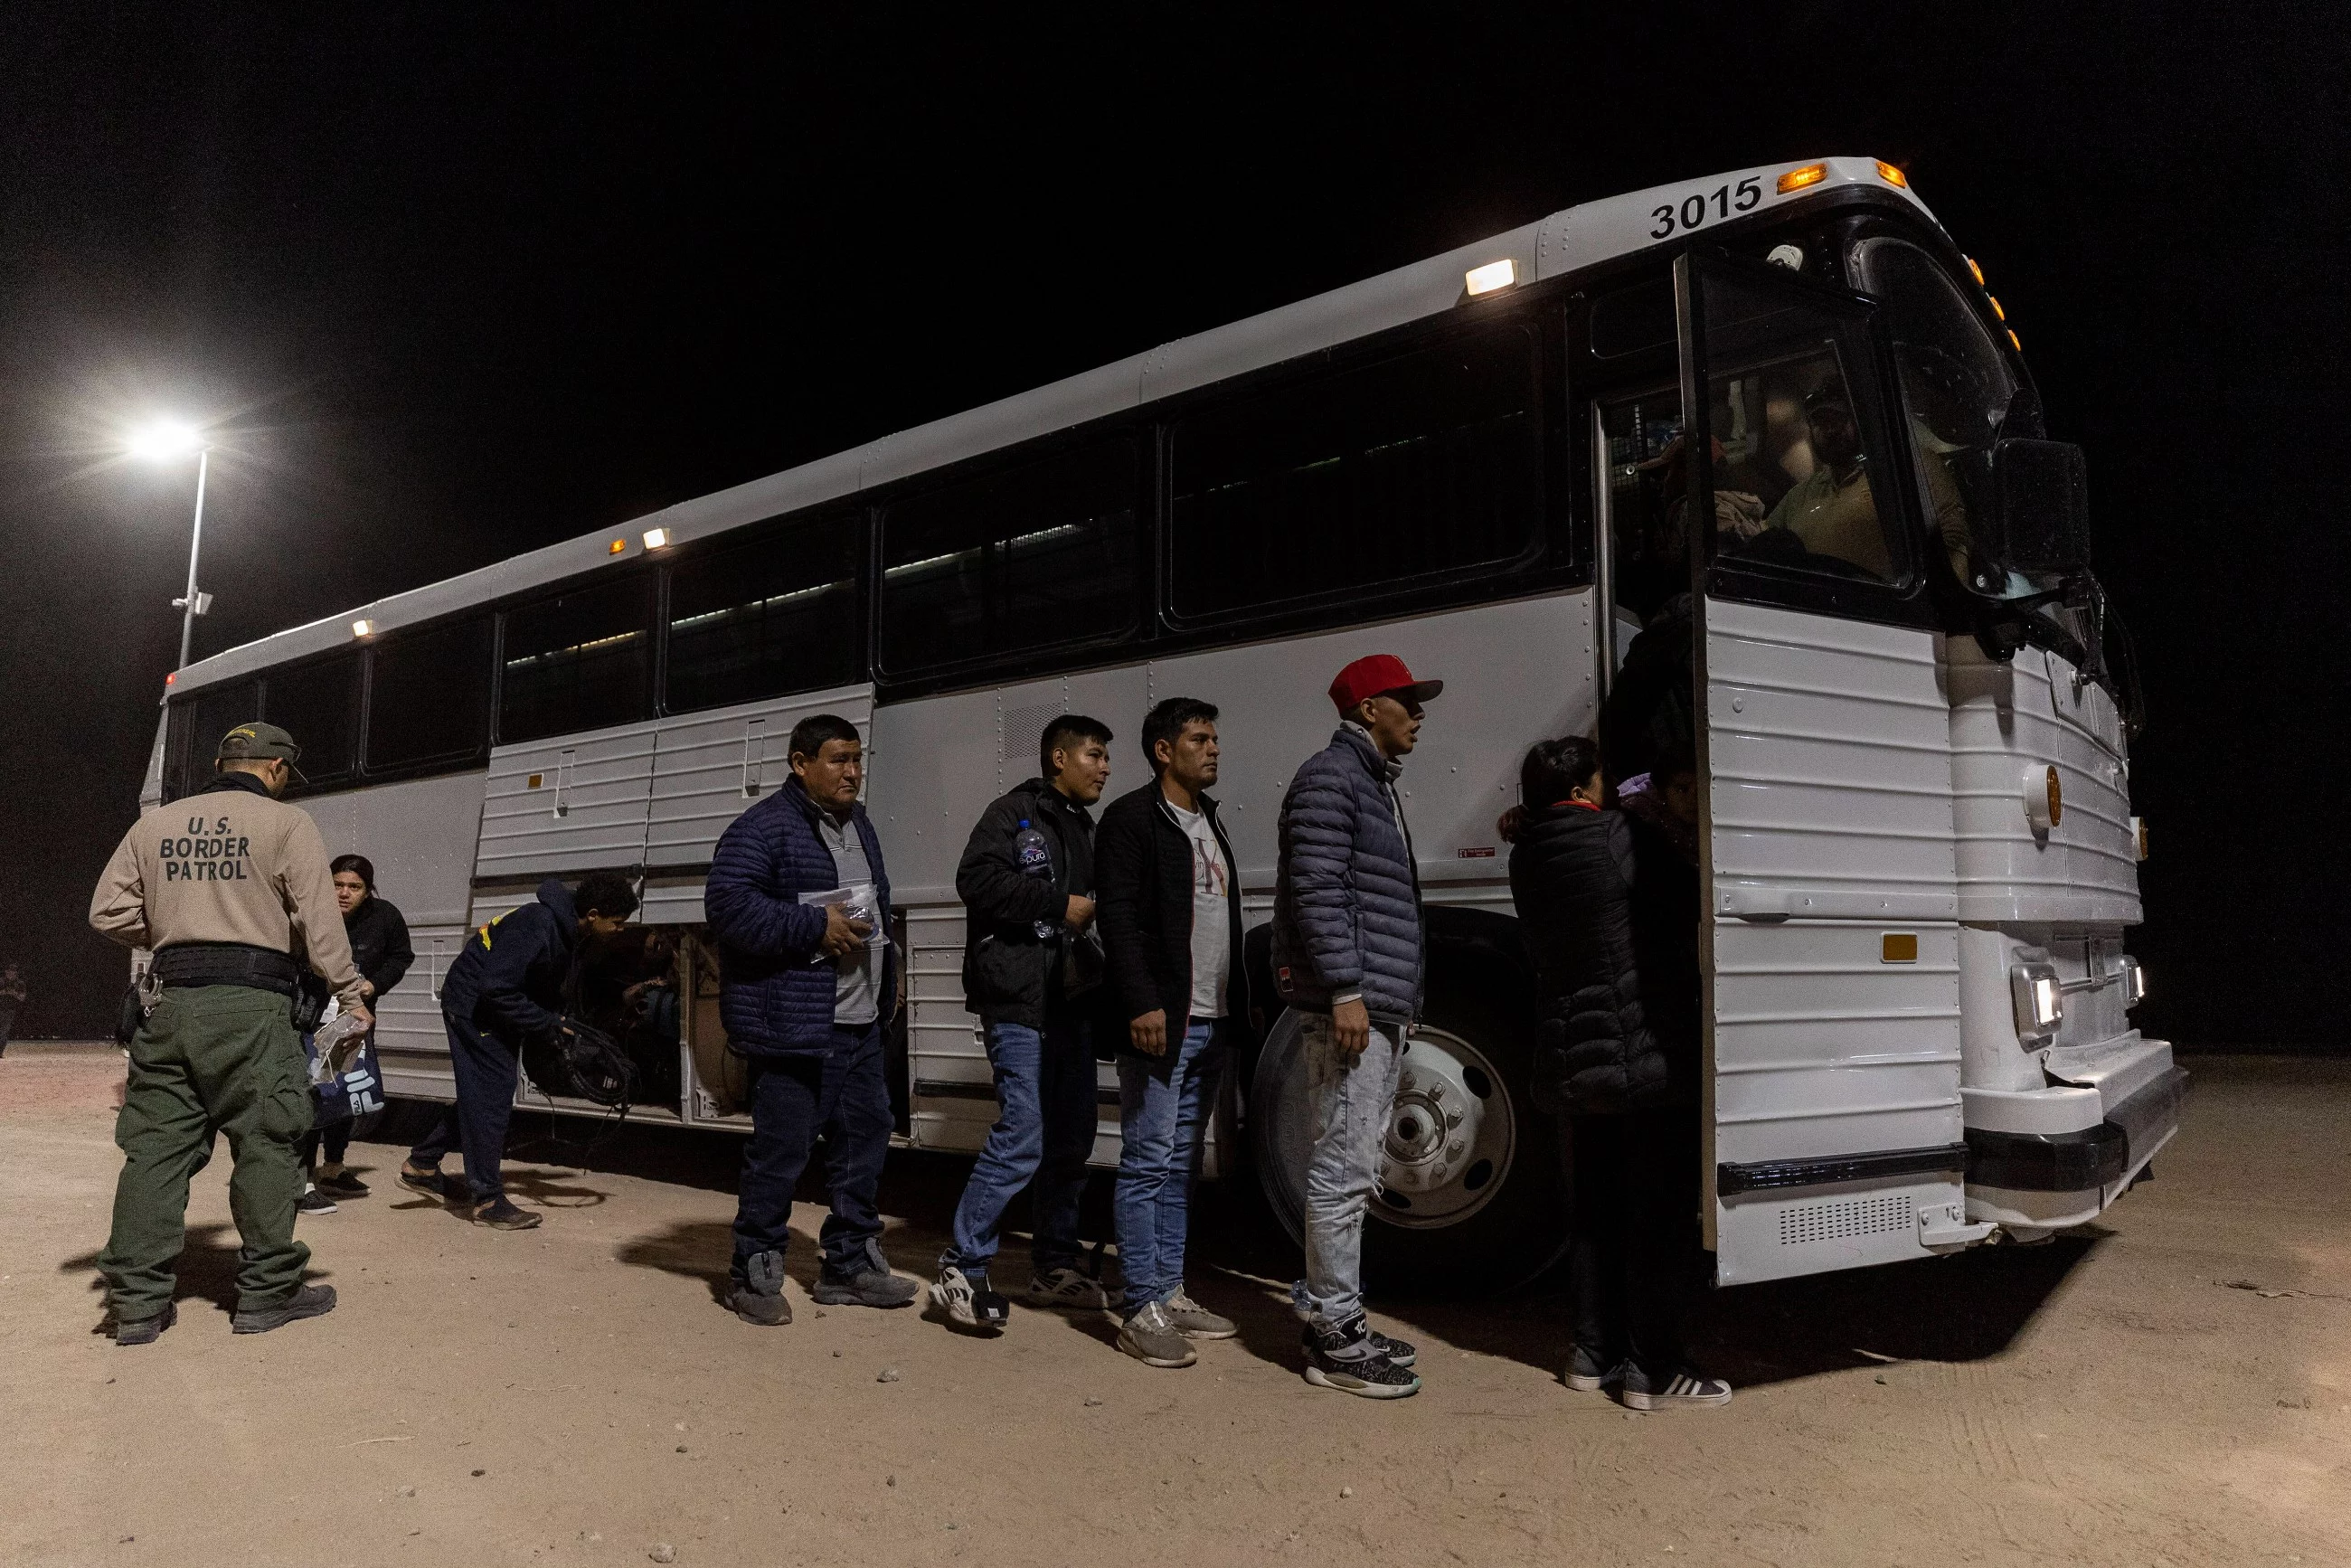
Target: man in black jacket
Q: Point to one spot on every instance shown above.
(504, 988)
(1170, 922)
(1029, 958)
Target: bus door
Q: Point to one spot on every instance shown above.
(1827, 925)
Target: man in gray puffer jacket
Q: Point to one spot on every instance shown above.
(1348, 957)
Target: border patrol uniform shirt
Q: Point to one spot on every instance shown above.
(229, 864)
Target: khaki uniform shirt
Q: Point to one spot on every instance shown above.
(1838, 519)
(227, 865)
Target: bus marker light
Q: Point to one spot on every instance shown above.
(617, 546)
(1974, 268)
(2012, 341)
(1893, 176)
(2044, 798)
(1899, 947)
(1995, 306)
(1797, 179)
(657, 538)
(2138, 836)
(363, 628)
(1494, 275)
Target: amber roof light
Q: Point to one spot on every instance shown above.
(1797, 179)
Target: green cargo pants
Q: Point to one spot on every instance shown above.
(210, 1060)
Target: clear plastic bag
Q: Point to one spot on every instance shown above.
(337, 1044)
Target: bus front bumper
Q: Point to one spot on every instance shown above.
(2038, 1160)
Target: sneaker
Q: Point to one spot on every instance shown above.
(342, 1184)
(1342, 1358)
(1646, 1391)
(967, 1300)
(1399, 1352)
(427, 1180)
(500, 1215)
(1068, 1290)
(758, 1296)
(145, 1330)
(309, 1301)
(1152, 1338)
(1588, 1372)
(1194, 1320)
(313, 1201)
(867, 1282)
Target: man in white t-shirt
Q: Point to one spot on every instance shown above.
(1171, 922)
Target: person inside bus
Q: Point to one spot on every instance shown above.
(380, 947)
(1596, 890)
(1032, 970)
(798, 903)
(505, 987)
(1832, 511)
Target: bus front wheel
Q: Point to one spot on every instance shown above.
(1470, 1194)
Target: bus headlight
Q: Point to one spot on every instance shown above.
(2040, 1003)
(2135, 979)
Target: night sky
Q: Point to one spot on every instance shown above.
(460, 282)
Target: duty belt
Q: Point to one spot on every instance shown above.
(226, 964)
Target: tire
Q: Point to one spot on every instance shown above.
(1468, 1230)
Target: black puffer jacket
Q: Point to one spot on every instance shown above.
(1144, 861)
(1574, 873)
(1010, 973)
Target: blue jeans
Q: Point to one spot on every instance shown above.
(1164, 1103)
(842, 1095)
(1352, 1097)
(1045, 1129)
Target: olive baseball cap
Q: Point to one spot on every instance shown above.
(257, 742)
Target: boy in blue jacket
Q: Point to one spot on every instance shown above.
(506, 989)
(798, 903)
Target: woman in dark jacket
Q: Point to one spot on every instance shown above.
(1619, 1067)
(380, 952)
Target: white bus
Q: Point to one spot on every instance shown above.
(1917, 852)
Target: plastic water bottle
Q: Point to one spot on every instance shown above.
(1036, 860)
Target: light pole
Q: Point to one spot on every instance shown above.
(162, 442)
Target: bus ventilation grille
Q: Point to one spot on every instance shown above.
(1849, 1217)
(1017, 729)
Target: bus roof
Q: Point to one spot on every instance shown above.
(1567, 241)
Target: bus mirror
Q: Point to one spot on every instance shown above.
(2041, 514)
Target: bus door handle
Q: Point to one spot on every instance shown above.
(563, 782)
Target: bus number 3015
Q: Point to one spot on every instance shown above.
(1727, 200)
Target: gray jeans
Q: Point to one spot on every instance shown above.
(1351, 1096)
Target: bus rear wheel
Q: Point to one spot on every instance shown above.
(1470, 1197)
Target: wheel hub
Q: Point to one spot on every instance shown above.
(1449, 1134)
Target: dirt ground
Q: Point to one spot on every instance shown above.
(2173, 1386)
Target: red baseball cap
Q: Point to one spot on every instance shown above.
(1376, 674)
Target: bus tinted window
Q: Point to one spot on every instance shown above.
(1635, 317)
(429, 695)
(1426, 463)
(1042, 555)
(318, 705)
(209, 715)
(758, 620)
(579, 660)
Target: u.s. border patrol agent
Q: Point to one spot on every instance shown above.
(225, 885)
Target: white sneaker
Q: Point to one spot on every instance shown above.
(956, 1298)
(1194, 1320)
(1068, 1290)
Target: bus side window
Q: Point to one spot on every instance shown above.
(319, 704)
(1427, 464)
(1794, 481)
(779, 614)
(578, 661)
(429, 695)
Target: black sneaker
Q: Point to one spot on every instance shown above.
(145, 1330)
(342, 1184)
(1397, 1350)
(309, 1301)
(1589, 1372)
(500, 1215)
(758, 1296)
(428, 1181)
(313, 1201)
(1653, 1391)
(1342, 1358)
(867, 1281)
(966, 1300)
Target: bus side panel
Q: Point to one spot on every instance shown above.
(708, 768)
(1835, 999)
(572, 803)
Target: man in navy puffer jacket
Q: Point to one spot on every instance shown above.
(1348, 957)
(806, 986)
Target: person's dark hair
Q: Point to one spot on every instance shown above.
(1167, 721)
(1068, 732)
(1552, 768)
(605, 892)
(359, 864)
(809, 735)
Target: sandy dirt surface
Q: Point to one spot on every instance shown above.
(2173, 1387)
